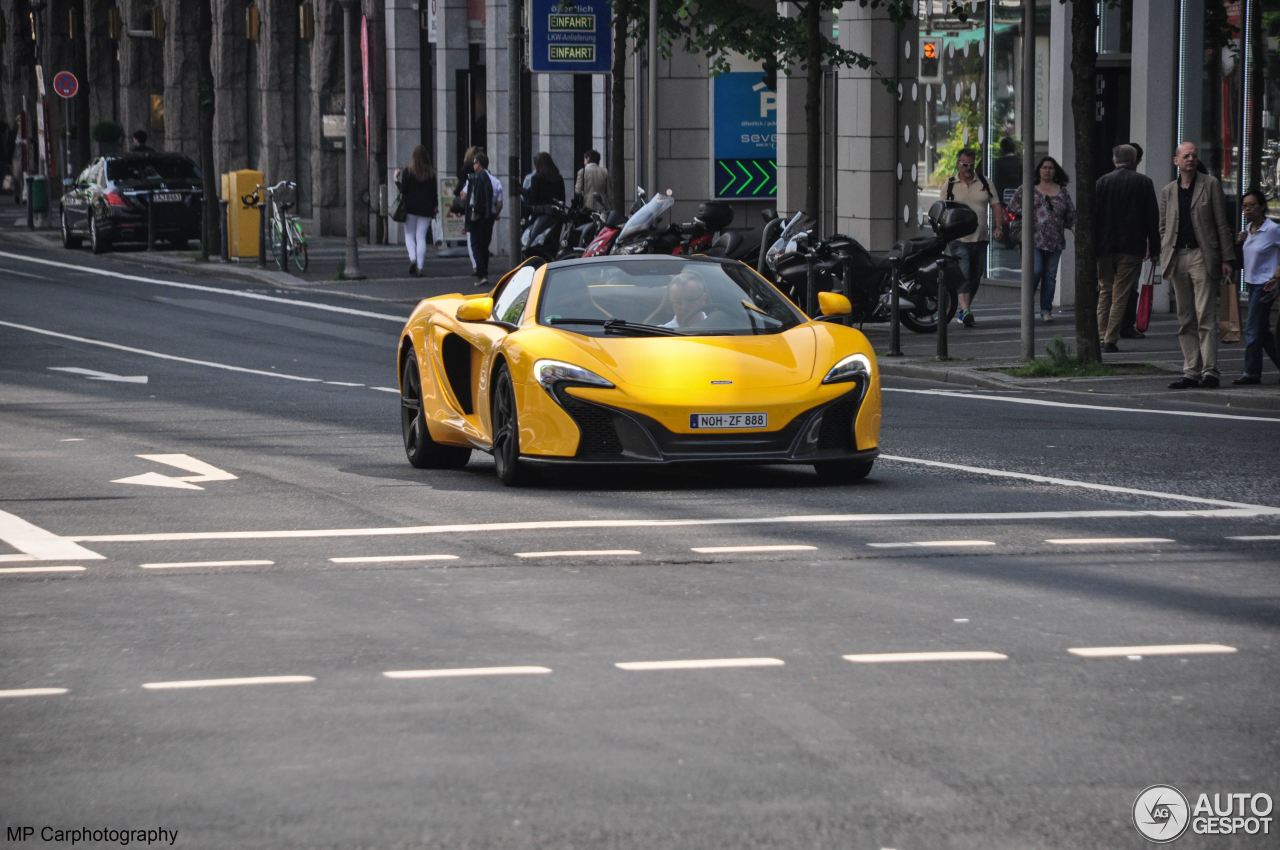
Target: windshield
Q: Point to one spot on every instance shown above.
(647, 216)
(797, 225)
(663, 297)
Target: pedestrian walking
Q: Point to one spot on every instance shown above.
(1196, 251)
(544, 184)
(417, 185)
(482, 200)
(1126, 230)
(1129, 325)
(1055, 213)
(457, 207)
(592, 182)
(1260, 245)
(970, 188)
(140, 142)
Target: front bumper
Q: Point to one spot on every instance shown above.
(611, 435)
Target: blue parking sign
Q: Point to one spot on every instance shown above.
(570, 36)
(745, 145)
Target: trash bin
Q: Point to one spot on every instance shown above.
(243, 222)
(39, 195)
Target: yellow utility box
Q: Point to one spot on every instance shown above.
(243, 222)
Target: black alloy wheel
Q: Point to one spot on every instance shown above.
(98, 241)
(69, 240)
(843, 471)
(422, 451)
(924, 318)
(506, 432)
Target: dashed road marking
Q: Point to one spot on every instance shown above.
(391, 559)
(178, 565)
(699, 664)
(906, 657)
(725, 550)
(1104, 541)
(32, 692)
(1158, 649)
(462, 672)
(932, 544)
(227, 683)
(1256, 537)
(1046, 403)
(577, 553)
(20, 570)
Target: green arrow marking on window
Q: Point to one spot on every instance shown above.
(732, 177)
(764, 178)
(745, 173)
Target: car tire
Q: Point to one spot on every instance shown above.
(422, 451)
(99, 242)
(843, 471)
(69, 240)
(512, 471)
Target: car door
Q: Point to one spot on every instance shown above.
(76, 200)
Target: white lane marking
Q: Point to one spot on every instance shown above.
(346, 311)
(203, 473)
(1158, 649)
(554, 525)
(1045, 403)
(227, 683)
(715, 550)
(699, 664)
(1069, 482)
(39, 544)
(960, 620)
(932, 543)
(391, 559)
(20, 570)
(95, 375)
(460, 672)
(906, 657)
(72, 440)
(159, 355)
(577, 553)
(386, 390)
(1257, 537)
(7, 270)
(32, 692)
(174, 565)
(344, 384)
(1103, 541)
(7, 559)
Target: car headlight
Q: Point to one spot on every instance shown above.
(849, 369)
(548, 373)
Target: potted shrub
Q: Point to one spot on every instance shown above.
(107, 134)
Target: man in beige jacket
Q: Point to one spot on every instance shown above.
(1196, 252)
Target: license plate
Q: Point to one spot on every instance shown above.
(728, 420)
(167, 197)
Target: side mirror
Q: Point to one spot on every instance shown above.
(478, 309)
(832, 305)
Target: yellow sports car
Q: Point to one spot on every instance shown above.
(636, 359)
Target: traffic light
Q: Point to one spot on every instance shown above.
(930, 60)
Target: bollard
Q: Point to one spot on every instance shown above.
(222, 231)
(895, 329)
(944, 307)
(262, 230)
(151, 220)
(810, 296)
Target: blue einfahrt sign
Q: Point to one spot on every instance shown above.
(570, 36)
(745, 136)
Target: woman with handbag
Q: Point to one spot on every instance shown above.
(1260, 244)
(419, 204)
(1054, 215)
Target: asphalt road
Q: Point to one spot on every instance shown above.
(532, 636)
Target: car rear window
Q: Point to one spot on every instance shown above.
(168, 168)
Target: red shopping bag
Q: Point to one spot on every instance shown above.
(1145, 290)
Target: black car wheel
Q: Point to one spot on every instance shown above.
(506, 432)
(422, 451)
(843, 471)
(98, 241)
(69, 240)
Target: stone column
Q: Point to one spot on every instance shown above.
(869, 203)
(1062, 142)
(497, 58)
(277, 51)
(327, 98)
(404, 91)
(1153, 98)
(552, 116)
(141, 71)
(792, 157)
(230, 79)
(180, 49)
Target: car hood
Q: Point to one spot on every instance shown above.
(679, 363)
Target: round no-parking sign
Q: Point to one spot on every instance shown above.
(66, 84)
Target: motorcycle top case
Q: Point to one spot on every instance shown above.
(952, 219)
(715, 215)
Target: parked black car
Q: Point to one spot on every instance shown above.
(108, 201)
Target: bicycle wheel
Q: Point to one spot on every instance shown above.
(275, 238)
(298, 245)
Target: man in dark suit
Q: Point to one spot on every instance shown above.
(1196, 253)
(1126, 231)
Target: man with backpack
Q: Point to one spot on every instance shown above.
(482, 199)
(970, 188)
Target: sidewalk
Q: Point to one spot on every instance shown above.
(975, 353)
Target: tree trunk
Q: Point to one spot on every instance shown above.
(813, 110)
(617, 116)
(1084, 60)
(211, 224)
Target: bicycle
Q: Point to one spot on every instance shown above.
(286, 240)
